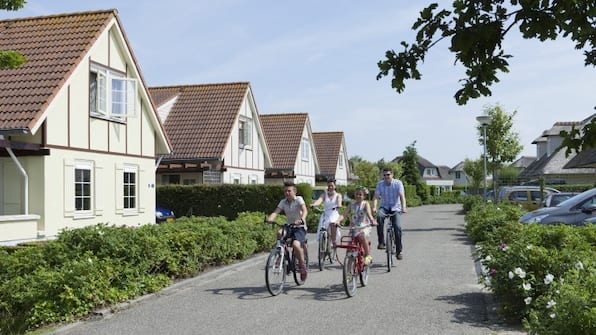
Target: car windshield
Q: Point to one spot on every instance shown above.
(577, 198)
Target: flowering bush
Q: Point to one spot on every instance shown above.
(543, 276)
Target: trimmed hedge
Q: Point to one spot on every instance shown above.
(91, 267)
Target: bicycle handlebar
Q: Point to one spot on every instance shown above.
(354, 227)
(293, 225)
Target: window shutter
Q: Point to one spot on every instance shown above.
(69, 185)
(102, 95)
(145, 188)
(100, 189)
(131, 98)
(118, 187)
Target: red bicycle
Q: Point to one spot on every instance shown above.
(353, 265)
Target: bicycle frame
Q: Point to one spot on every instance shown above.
(354, 260)
(282, 261)
(324, 248)
(389, 239)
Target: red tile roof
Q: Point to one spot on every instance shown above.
(54, 46)
(328, 146)
(201, 120)
(283, 134)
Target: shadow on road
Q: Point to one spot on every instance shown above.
(327, 293)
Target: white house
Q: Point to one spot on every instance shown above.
(289, 138)
(215, 132)
(79, 133)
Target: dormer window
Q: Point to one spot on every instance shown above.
(111, 94)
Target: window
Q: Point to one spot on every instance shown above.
(82, 185)
(245, 133)
(236, 178)
(253, 179)
(457, 174)
(305, 149)
(167, 179)
(341, 160)
(111, 94)
(130, 187)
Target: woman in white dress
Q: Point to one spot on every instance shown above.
(331, 201)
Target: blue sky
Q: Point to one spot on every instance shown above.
(320, 58)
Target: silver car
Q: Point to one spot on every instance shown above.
(572, 211)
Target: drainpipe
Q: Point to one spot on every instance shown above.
(25, 176)
(158, 162)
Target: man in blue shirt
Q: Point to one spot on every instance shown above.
(393, 200)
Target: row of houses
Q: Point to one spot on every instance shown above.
(84, 140)
(550, 162)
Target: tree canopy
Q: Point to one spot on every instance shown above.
(477, 28)
(9, 59)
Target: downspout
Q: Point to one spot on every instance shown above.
(24, 173)
(158, 162)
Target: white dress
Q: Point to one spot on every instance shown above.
(330, 213)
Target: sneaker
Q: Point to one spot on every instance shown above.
(399, 256)
(367, 260)
(381, 246)
(303, 273)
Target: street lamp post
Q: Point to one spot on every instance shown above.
(484, 121)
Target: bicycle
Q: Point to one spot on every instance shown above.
(326, 249)
(390, 247)
(282, 261)
(353, 265)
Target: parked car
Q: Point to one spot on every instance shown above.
(573, 211)
(529, 197)
(164, 215)
(536, 182)
(591, 220)
(554, 199)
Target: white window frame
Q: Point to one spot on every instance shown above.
(83, 166)
(245, 133)
(130, 169)
(341, 160)
(116, 94)
(305, 150)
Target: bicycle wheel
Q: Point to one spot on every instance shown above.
(364, 276)
(349, 276)
(331, 251)
(388, 248)
(323, 240)
(296, 268)
(275, 272)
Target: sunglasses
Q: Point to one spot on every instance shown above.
(387, 174)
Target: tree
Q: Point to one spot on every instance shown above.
(10, 59)
(411, 173)
(475, 170)
(502, 144)
(477, 29)
(366, 171)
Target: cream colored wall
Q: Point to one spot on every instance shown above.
(341, 173)
(305, 170)
(107, 191)
(244, 162)
(71, 135)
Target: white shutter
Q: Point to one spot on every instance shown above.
(102, 93)
(118, 188)
(100, 189)
(69, 185)
(131, 98)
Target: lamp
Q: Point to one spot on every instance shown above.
(484, 121)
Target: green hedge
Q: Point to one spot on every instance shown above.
(87, 268)
(543, 276)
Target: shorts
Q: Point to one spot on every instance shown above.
(298, 234)
(362, 232)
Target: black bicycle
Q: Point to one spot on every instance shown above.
(390, 247)
(326, 250)
(282, 261)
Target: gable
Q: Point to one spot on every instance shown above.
(283, 134)
(56, 47)
(328, 147)
(201, 118)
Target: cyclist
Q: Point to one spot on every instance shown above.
(294, 208)
(393, 199)
(331, 201)
(360, 214)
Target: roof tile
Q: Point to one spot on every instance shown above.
(283, 134)
(202, 118)
(53, 46)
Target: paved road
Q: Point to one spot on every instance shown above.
(433, 290)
